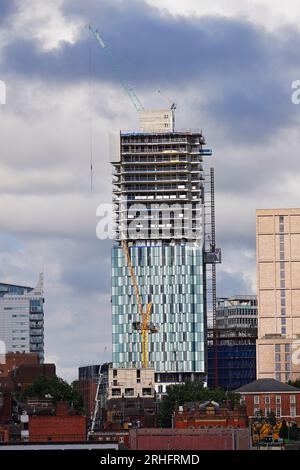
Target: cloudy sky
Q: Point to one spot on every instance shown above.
(228, 64)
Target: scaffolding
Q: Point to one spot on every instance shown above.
(212, 256)
(236, 356)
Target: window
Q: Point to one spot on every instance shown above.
(277, 357)
(267, 399)
(115, 373)
(278, 412)
(278, 399)
(277, 348)
(256, 411)
(293, 410)
(292, 398)
(147, 391)
(129, 392)
(268, 411)
(256, 399)
(116, 392)
(277, 376)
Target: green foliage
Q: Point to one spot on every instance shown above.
(293, 431)
(284, 431)
(272, 419)
(296, 383)
(178, 395)
(57, 388)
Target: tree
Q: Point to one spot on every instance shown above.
(178, 395)
(272, 419)
(296, 383)
(284, 431)
(57, 388)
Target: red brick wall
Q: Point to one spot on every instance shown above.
(57, 428)
(14, 360)
(5, 409)
(223, 418)
(189, 439)
(4, 435)
(25, 374)
(285, 404)
(87, 389)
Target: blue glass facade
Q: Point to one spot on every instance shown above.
(172, 277)
(236, 365)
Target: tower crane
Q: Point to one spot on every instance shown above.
(128, 89)
(144, 326)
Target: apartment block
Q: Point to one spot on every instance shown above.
(278, 286)
(130, 383)
(22, 318)
(158, 195)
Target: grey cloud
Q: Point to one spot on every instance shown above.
(7, 8)
(230, 284)
(235, 65)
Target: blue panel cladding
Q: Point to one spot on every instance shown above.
(172, 277)
(236, 365)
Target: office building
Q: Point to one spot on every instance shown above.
(232, 359)
(239, 311)
(278, 286)
(158, 195)
(22, 318)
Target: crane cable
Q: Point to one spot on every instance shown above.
(90, 107)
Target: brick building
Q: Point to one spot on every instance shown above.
(18, 370)
(189, 439)
(269, 395)
(278, 288)
(87, 389)
(5, 407)
(26, 374)
(64, 426)
(209, 414)
(4, 435)
(14, 360)
(123, 413)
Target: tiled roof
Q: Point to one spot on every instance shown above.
(267, 385)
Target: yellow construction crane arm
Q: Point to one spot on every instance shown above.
(143, 326)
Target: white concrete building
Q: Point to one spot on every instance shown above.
(22, 318)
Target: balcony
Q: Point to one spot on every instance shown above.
(36, 316)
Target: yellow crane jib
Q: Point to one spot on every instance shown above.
(144, 326)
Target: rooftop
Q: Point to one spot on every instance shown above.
(267, 385)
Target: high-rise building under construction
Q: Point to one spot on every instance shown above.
(158, 195)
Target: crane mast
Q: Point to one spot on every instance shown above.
(143, 325)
